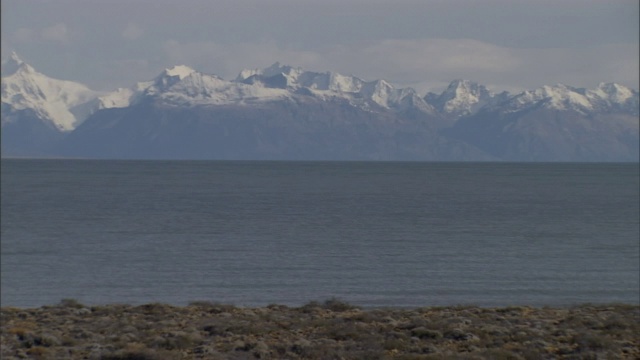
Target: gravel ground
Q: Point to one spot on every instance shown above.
(328, 330)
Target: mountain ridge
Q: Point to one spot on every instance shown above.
(330, 103)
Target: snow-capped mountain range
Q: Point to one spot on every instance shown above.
(66, 105)
(184, 86)
(605, 98)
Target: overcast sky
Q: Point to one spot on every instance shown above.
(505, 44)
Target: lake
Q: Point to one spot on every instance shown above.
(375, 234)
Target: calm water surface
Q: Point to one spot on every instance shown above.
(374, 234)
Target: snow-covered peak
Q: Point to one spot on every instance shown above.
(614, 97)
(614, 92)
(275, 76)
(465, 86)
(557, 97)
(57, 101)
(15, 58)
(120, 98)
(275, 69)
(333, 85)
(379, 91)
(181, 71)
(171, 76)
(605, 98)
(342, 83)
(385, 95)
(463, 97)
(183, 86)
(26, 69)
(331, 82)
(285, 76)
(12, 64)
(15, 64)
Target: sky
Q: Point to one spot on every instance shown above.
(425, 44)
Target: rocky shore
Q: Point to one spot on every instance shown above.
(326, 330)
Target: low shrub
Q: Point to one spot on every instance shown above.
(213, 307)
(332, 304)
(337, 305)
(38, 352)
(424, 333)
(131, 355)
(71, 303)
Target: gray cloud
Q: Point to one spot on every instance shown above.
(24, 35)
(132, 32)
(505, 44)
(57, 32)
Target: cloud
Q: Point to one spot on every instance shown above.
(24, 35)
(421, 61)
(458, 55)
(424, 64)
(57, 33)
(122, 73)
(429, 64)
(132, 32)
(584, 67)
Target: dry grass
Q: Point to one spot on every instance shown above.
(318, 330)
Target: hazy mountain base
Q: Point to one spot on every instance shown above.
(325, 130)
(332, 330)
(551, 135)
(24, 134)
(282, 130)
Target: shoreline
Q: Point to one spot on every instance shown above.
(318, 330)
